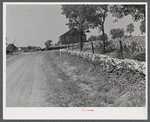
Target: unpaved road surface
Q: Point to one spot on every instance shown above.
(29, 81)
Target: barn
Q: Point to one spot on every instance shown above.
(71, 37)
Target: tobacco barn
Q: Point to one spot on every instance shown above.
(71, 37)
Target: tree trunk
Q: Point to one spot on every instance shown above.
(103, 38)
(92, 47)
(80, 41)
(121, 48)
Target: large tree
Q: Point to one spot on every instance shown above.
(77, 19)
(136, 11)
(96, 15)
(118, 34)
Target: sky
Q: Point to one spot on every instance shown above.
(33, 25)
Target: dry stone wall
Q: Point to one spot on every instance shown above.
(109, 63)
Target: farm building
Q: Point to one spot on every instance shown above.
(71, 37)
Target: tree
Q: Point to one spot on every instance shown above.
(130, 28)
(11, 47)
(48, 43)
(136, 11)
(77, 19)
(91, 39)
(96, 15)
(103, 37)
(118, 34)
(29, 47)
(142, 27)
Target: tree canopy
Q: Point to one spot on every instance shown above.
(97, 15)
(136, 11)
(117, 33)
(48, 43)
(76, 15)
(102, 37)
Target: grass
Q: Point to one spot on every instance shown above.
(118, 88)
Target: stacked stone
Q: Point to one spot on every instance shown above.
(109, 63)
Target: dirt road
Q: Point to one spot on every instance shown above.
(29, 79)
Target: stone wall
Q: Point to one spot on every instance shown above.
(110, 63)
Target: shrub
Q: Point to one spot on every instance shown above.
(111, 46)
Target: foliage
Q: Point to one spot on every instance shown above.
(111, 45)
(127, 36)
(130, 28)
(48, 43)
(136, 11)
(103, 37)
(133, 48)
(96, 15)
(92, 38)
(117, 33)
(11, 47)
(142, 26)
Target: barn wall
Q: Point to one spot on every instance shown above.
(69, 38)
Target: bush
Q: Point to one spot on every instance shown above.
(132, 50)
(110, 45)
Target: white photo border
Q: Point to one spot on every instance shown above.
(46, 113)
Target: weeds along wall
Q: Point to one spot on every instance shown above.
(109, 64)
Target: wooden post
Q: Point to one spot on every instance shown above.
(73, 46)
(92, 47)
(121, 48)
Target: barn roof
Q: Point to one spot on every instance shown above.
(69, 32)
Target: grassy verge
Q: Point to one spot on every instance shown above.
(120, 87)
(82, 83)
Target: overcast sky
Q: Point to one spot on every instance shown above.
(35, 24)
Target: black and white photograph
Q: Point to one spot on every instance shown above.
(88, 60)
